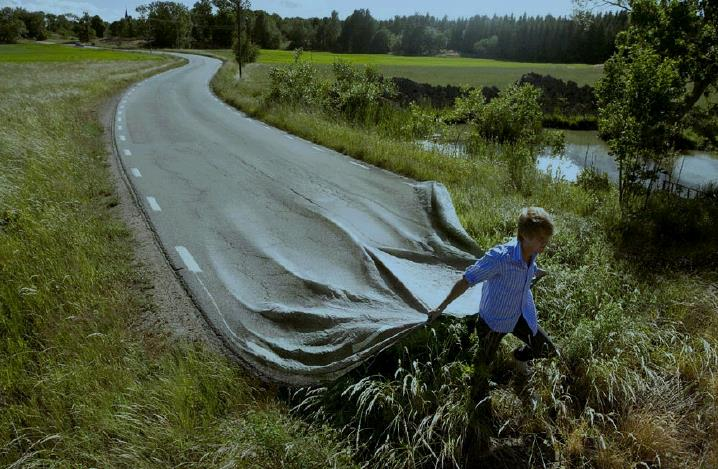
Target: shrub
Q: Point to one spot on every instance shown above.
(358, 93)
(297, 84)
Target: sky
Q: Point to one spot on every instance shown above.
(111, 10)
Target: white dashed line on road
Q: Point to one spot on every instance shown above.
(122, 138)
(136, 173)
(127, 152)
(187, 258)
(153, 204)
(317, 148)
(289, 137)
(358, 164)
(119, 127)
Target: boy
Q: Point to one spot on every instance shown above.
(507, 304)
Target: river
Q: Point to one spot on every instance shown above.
(693, 169)
(584, 149)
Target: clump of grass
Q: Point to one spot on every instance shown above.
(78, 385)
(629, 330)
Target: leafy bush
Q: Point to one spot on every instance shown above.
(297, 84)
(357, 92)
(593, 181)
(423, 122)
(511, 121)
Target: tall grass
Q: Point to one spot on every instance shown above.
(79, 386)
(635, 383)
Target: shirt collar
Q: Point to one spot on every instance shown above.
(517, 256)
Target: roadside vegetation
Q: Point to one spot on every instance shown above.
(637, 323)
(80, 383)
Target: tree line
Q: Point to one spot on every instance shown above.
(211, 24)
(18, 23)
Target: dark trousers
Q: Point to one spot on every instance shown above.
(538, 345)
(480, 417)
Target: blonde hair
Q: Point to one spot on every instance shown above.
(535, 221)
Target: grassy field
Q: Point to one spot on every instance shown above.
(79, 385)
(636, 383)
(442, 70)
(19, 53)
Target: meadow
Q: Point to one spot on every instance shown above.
(459, 71)
(20, 53)
(637, 378)
(81, 384)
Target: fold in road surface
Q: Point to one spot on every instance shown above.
(304, 261)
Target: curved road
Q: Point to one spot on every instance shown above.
(305, 261)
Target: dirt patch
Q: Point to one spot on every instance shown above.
(170, 312)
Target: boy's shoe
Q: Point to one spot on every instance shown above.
(522, 368)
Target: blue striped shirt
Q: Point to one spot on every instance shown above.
(506, 293)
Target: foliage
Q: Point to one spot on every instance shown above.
(84, 30)
(513, 120)
(358, 94)
(98, 26)
(248, 51)
(665, 61)
(34, 24)
(297, 84)
(11, 27)
(169, 24)
(419, 37)
(357, 32)
(355, 92)
(265, 32)
(424, 122)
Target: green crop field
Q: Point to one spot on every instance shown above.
(63, 53)
(459, 71)
(447, 70)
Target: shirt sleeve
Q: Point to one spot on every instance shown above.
(484, 268)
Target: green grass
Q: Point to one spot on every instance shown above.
(637, 380)
(22, 53)
(442, 70)
(80, 384)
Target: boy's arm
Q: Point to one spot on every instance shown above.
(456, 291)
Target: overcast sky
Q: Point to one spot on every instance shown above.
(111, 10)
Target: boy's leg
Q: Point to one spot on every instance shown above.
(538, 345)
(479, 428)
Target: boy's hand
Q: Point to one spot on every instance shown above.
(433, 314)
(540, 273)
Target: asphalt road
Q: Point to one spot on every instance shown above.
(304, 260)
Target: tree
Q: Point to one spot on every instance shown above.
(265, 32)
(381, 42)
(487, 47)
(98, 26)
(59, 24)
(83, 29)
(11, 27)
(169, 24)
(327, 32)
(357, 32)
(34, 24)
(202, 20)
(665, 61)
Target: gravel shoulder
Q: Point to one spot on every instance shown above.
(170, 312)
